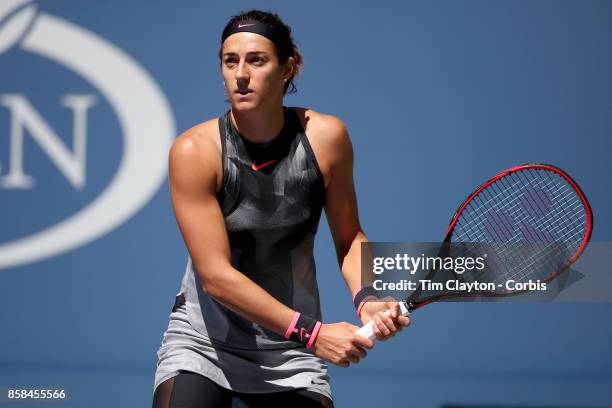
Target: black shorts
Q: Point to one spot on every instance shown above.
(191, 390)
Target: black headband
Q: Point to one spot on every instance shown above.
(253, 26)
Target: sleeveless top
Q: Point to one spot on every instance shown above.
(271, 198)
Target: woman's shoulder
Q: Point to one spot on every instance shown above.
(202, 138)
(198, 151)
(323, 127)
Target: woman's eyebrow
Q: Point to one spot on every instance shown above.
(250, 53)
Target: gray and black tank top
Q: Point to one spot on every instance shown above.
(271, 198)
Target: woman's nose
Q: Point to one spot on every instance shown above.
(242, 71)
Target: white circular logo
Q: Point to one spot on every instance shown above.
(143, 112)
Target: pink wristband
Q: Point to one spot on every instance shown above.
(363, 302)
(291, 327)
(313, 335)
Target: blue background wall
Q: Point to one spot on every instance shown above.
(437, 96)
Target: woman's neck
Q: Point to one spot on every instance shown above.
(258, 126)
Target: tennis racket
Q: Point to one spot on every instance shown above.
(534, 207)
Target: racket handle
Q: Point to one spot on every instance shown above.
(367, 330)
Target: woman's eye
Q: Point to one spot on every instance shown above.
(254, 60)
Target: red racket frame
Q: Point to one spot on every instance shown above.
(504, 173)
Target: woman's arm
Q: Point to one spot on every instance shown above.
(343, 218)
(193, 167)
(341, 204)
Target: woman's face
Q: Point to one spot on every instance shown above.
(251, 71)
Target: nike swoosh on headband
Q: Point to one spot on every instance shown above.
(245, 25)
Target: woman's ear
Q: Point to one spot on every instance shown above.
(289, 69)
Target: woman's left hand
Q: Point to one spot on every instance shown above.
(385, 325)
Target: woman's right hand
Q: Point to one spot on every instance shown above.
(338, 344)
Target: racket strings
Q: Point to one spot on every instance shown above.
(535, 259)
(542, 263)
(501, 229)
(572, 213)
(465, 231)
(533, 221)
(480, 275)
(516, 209)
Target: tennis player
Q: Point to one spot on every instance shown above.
(248, 189)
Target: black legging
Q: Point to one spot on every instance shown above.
(191, 390)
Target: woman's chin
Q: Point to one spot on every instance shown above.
(244, 106)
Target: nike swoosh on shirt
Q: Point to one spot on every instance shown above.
(261, 166)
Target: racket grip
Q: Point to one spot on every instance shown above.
(367, 330)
